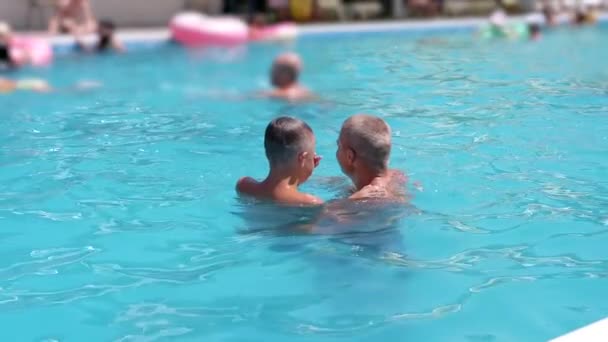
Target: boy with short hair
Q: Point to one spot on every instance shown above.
(290, 149)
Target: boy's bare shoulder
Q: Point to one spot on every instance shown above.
(298, 199)
(247, 185)
(312, 200)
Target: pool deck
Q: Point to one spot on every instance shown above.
(157, 35)
(596, 332)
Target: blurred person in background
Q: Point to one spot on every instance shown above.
(35, 85)
(256, 24)
(74, 17)
(6, 57)
(584, 16)
(549, 15)
(106, 39)
(280, 8)
(255, 6)
(534, 31)
(426, 8)
(498, 21)
(284, 76)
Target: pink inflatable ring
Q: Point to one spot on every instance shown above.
(193, 29)
(31, 50)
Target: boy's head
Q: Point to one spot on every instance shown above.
(290, 145)
(364, 143)
(285, 70)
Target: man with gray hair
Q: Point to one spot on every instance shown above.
(290, 149)
(364, 147)
(284, 76)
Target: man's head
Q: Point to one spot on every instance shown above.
(364, 144)
(290, 145)
(285, 70)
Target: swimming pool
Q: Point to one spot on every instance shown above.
(120, 222)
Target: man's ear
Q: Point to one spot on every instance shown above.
(351, 155)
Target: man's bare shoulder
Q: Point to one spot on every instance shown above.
(391, 188)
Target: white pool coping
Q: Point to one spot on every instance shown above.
(150, 35)
(595, 332)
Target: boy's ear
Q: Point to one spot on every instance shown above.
(302, 157)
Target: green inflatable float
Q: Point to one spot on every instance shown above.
(513, 31)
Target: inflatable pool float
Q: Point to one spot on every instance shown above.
(273, 33)
(194, 29)
(31, 50)
(515, 30)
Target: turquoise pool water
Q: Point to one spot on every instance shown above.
(118, 218)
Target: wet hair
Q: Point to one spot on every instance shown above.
(534, 28)
(370, 138)
(285, 137)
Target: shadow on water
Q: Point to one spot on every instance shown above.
(345, 245)
(369, 227)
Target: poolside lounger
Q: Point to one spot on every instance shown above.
(335, 6)
(365, 10)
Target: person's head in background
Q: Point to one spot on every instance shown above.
(534, 31)
(7, 54)
(105, 34)
(290, 148)
(285, 70)
(364, 147)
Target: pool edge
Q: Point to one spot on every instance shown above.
(158, 36)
